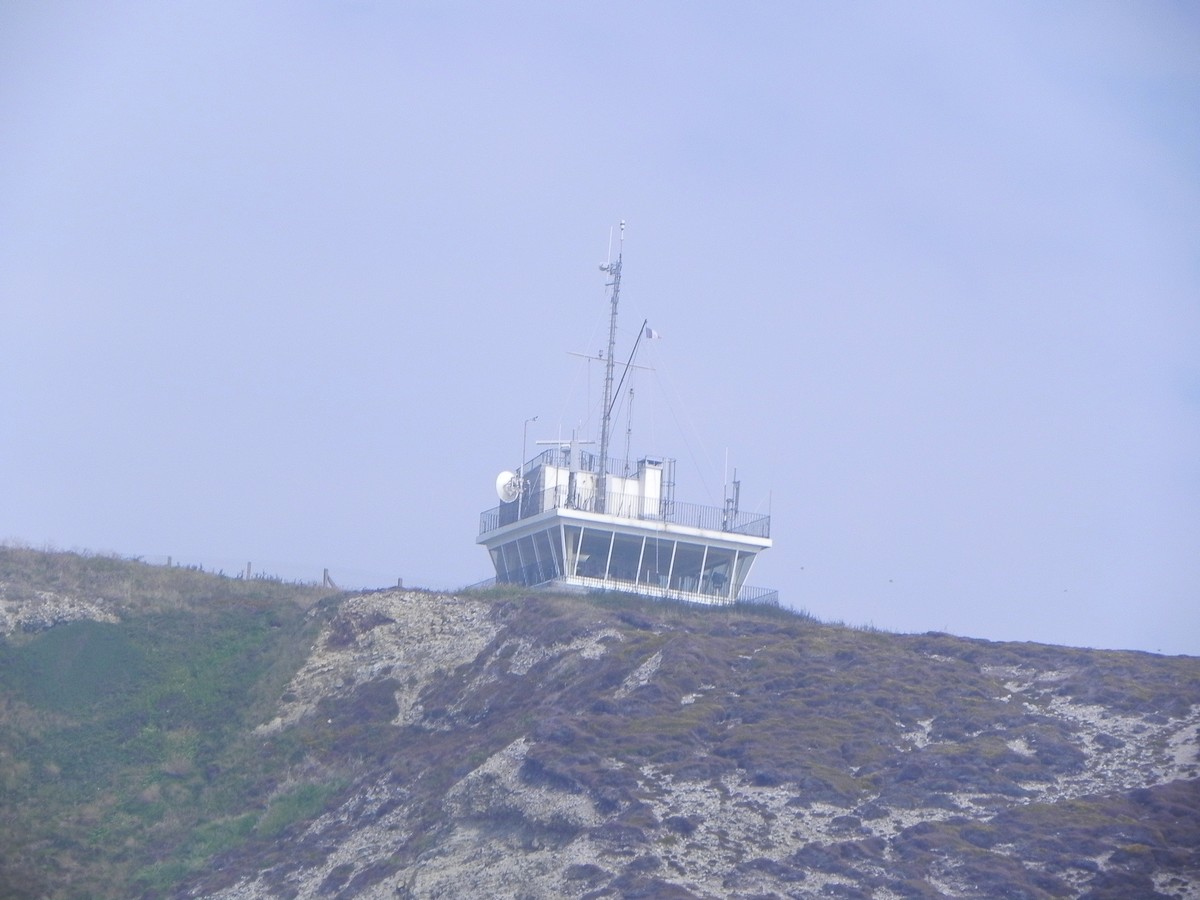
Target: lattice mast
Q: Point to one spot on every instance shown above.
(613, 269)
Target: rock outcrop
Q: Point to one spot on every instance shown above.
(592, 750)
(44, 609)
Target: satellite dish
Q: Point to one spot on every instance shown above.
(508, 486)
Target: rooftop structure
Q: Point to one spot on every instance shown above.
(577, 519)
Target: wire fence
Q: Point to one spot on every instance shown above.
(268, 570)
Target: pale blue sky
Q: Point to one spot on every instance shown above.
(280, 282)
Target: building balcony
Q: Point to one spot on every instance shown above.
(626, 506)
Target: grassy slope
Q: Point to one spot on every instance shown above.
(122, 744)
(128, 766)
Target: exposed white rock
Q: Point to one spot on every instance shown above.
(639, 677)
(920, 738)
(1021, 747)
(407, 635)
(46, 608)
(590, 646)
(1184, 748)
(1149, 751)
(702, 829)
(496, 785)
(1174, 886)
(360, 848)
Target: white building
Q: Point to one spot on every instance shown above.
(566, 519)
(635, 537)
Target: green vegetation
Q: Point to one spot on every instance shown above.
(121, 735)
(130, 767)
(299, 804)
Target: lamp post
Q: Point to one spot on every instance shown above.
(521, 467)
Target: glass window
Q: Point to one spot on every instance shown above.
(742, 569)
(545, 548)
(555, 536)
(512, 563)
(571, 534)
(656, 561)
(685, 574)
(627, 549)
(593, 552)
(718, 572)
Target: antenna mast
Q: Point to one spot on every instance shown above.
(628, 430)
(613, 269)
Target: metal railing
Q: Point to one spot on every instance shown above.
(758, 596)
(627, 506)
(560, 457)
(533, 577)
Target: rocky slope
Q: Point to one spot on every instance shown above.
(582, 750)
(489, 745)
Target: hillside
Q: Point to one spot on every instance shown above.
(173, 733)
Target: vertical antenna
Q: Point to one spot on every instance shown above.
(628, 430)
(613, 269)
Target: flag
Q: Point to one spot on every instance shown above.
(651, 334)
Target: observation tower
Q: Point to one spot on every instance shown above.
(577, 519)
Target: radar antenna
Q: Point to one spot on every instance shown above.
(508, 486)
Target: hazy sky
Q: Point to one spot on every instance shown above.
(281, 282)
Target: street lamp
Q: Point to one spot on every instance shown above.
(521, 467)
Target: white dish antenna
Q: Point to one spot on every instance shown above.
(508, 486)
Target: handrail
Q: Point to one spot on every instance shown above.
(588, 461)
(747, 596)
(629, 506)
